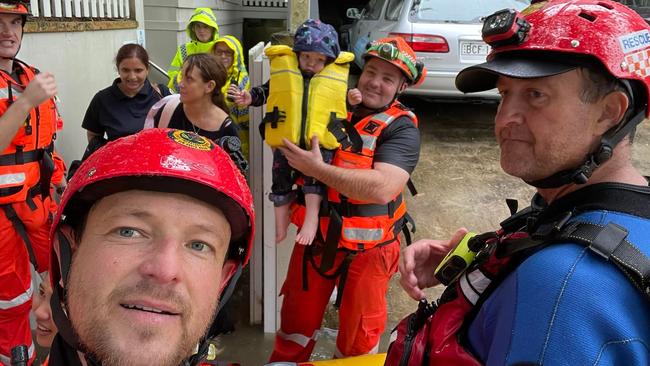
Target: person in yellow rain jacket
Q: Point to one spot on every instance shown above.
(203, 32)
(229, 51)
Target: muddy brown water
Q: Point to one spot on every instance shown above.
(460, 183)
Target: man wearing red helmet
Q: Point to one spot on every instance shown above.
(566, 280)
(28, 166)
(357, 248)
(144, 243)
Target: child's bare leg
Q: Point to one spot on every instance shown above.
(309, 227)
(281, 222)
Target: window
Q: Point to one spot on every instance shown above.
(462, 11)
(82, 11)
(373, 9)
(393, 9)
(642, 7)
(636, 3)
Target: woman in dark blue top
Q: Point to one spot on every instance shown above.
(120, 109)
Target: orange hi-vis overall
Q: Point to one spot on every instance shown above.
(365, 240)
(27, 168)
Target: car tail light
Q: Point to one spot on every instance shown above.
(424, 42)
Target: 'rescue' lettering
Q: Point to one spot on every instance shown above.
(635, 41)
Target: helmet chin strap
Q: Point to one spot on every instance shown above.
(582, 173)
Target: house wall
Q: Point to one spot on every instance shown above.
(166, 20)
(82, 63)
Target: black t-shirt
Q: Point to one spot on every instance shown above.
(113, 113)
(180, 121)
(398, 144)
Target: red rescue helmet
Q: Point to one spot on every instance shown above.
(162, 160)
(556, 36)
(396, 51)
(20, 7)
(14, 7)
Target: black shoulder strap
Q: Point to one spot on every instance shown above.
(608, 242)
(411, 186)
(20, 228)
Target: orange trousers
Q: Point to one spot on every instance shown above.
(15, 274)
(362, 315)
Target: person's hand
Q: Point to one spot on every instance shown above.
(305, 161)
(233, 91)
(354, 96)
(419, 261)
(241, 97)
(40, 89)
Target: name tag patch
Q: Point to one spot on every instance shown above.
(634, 41)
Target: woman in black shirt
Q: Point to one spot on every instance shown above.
(120, 109)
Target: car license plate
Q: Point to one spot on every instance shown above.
(474, 48)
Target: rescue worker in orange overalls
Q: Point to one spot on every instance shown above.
(28, 167)
(358, 246)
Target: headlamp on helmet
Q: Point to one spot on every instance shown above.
(388, 51)
(505, 27)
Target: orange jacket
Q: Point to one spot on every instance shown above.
(30, 154)
(366, 225)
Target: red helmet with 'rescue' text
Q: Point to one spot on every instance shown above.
(552, 37)
(556, 36)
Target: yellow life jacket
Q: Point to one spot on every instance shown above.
(364, 360)
(325, 99)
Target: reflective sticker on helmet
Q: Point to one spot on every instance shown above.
(191, 140)
(174, 163)
(634, 41)
(7, 6)
(639, 63)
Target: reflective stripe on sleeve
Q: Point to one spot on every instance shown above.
(18, 300)
(298, 338)
(12, 179)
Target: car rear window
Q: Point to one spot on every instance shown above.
(461, 11)
(372, 10)
(393, 8)
(633, 3)
(640, 6)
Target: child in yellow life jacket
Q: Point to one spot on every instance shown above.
(308, 87)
